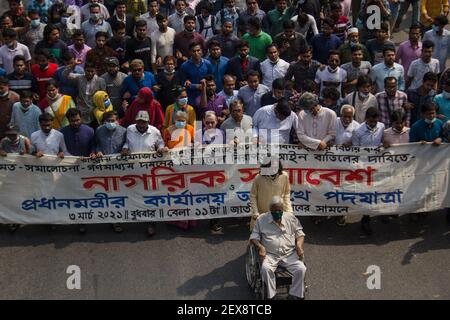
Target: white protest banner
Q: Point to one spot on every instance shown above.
(215, 182)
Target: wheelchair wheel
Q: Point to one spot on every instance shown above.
(252, 266)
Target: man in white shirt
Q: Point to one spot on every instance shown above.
(176, 20)
(316, 126)
(48, 141)
(345, 125)
(273, 67)
(10, 49)
(142, 137)
(362, 99)
(441, 39)
(85, 10)
(151, 17)
(369, 134)
(162, 41)
(332, 75)
(420, 66)
(239, 125)
(273, 123)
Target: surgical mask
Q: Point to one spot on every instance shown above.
(446, 94)
(107, 103)
(180, 124)
(4, 94)
(436, 28)
(363, 95)
(182, 101)
(353, 43)
(111, 125)
(95, 16)
(64, 20)
(428, 121)
(35, 23)
(276, 215)
(308, 111)
(169, 72)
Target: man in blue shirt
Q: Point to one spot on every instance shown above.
(136, 80)
(427, 129)
(219, 63)
(110, 138)
(67, 86)
(193, 71)
(79, 138)
(325, 41)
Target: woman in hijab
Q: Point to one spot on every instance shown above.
(144, 101)
(102, 104)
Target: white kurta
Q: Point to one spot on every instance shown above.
(313, 129)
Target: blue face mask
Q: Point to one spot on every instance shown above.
(111, 125)
(107, 103)
(35, 23)
(436, 28)
(182, 101)
(428, 121)
(64, 20)
(180, 124)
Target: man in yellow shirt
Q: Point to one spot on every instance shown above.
(271, 181)
(430, 9)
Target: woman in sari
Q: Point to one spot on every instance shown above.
(56, 104)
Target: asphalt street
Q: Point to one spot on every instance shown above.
(414, 258)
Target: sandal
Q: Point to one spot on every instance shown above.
(341, 221)
(117, 228)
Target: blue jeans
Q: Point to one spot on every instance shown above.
(394, 10)
(404, 8)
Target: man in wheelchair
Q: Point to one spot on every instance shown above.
(279, 238)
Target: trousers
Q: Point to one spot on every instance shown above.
(293, 265)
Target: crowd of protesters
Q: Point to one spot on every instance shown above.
(92, 78)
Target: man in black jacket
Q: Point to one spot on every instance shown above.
(122, 15)
(240, 65)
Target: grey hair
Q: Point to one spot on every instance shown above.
(181, 114)
(308, 99)
(276, 200)
(348, 106)
(210, 113)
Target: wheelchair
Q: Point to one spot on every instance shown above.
(255, 281)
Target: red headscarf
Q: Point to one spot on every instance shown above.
(144, 101)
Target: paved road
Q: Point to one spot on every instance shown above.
(414, 259)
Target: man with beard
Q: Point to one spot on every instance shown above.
(304, 69)
(48, 141)
(210, 101)
(240, 65)
(185, 38)
(114, 79)
(388, 68)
